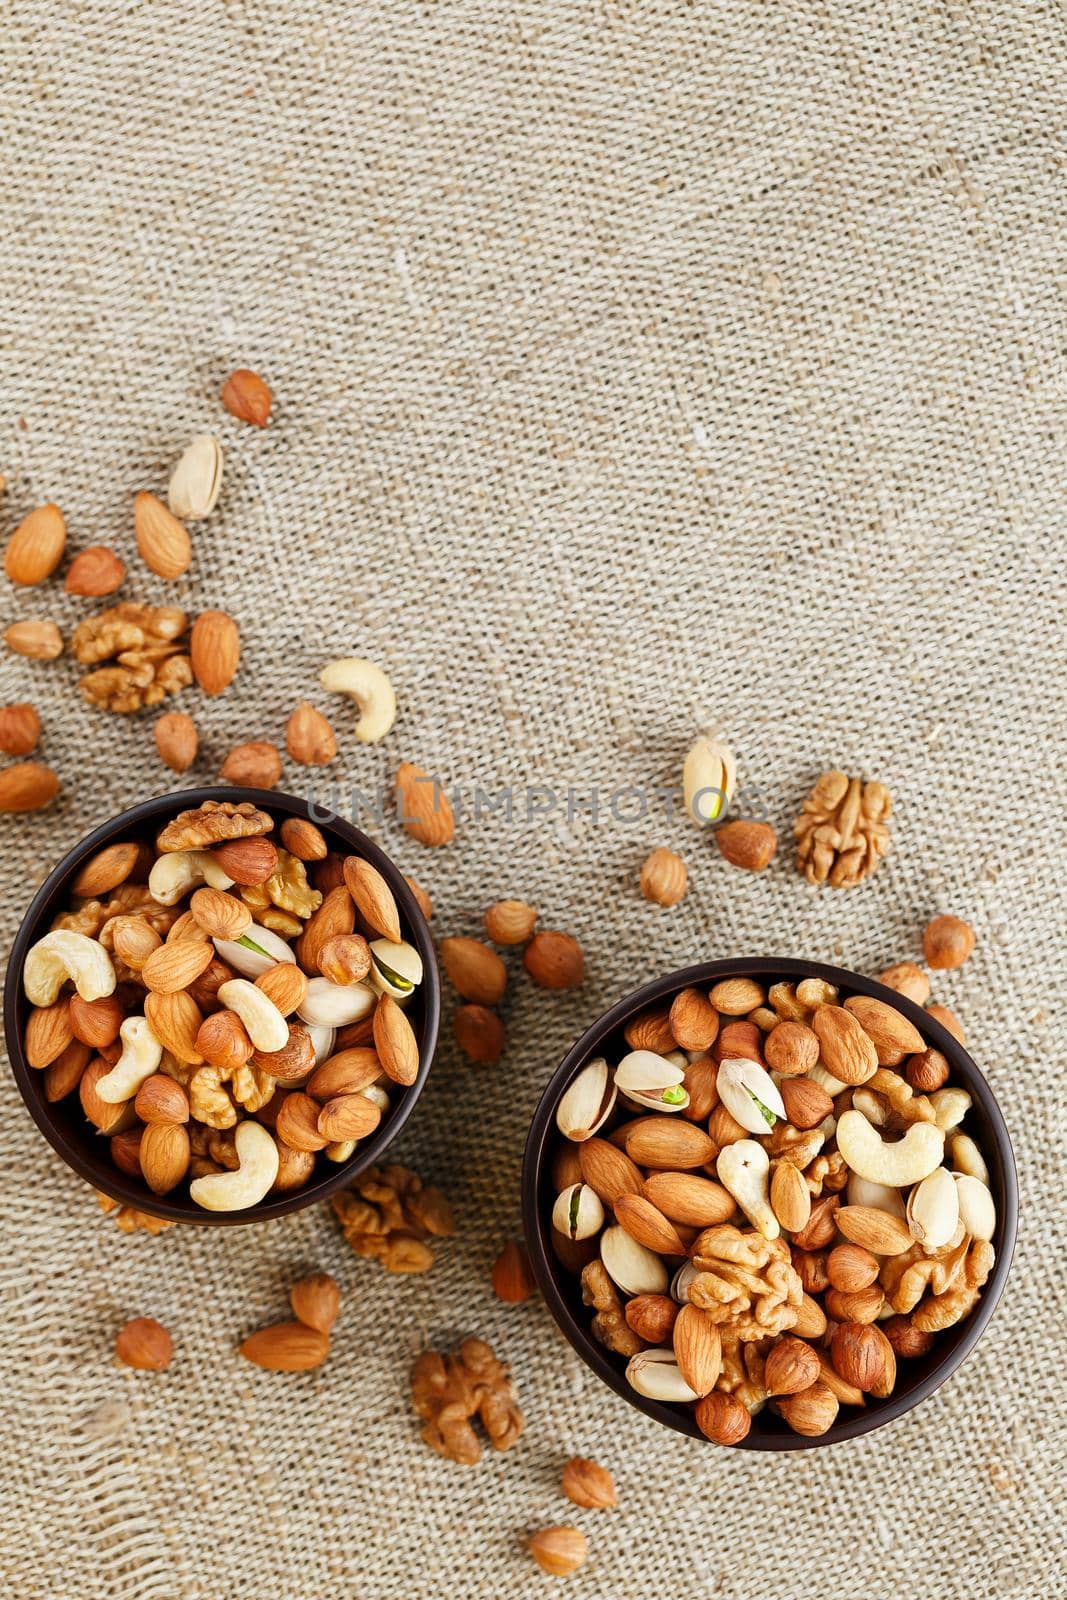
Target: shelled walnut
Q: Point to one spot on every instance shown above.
(388, 1215)
(841, 832)
(448, 1390)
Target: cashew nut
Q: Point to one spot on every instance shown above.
(743, 1169)
(173, 875)
(236, 1191)
(369, 688)
(141, 1055)
(64, 954)
(950, 1107)
(749, 1094)
(264, 1023)
(255, 952)
(334, 1005)
(396, 969)
(899, 1165)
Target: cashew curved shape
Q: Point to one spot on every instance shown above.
(744, 1169)
(175, 873)
(141, 1055)
(264, 1023)
(899, 1165)
(334, 1005)
(249, 962)
(236, 1191)
(369, 688)
(64, 954)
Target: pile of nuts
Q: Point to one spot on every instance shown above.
(228, 1001)
(771, 1199)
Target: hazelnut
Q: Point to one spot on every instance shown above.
(588, 1484)
(850, 1267)
(652, 1317)
(927, 1072)
(863, 1356)
(907, 1341)
(949, 1021)
(749, 845)
(855, 1305)
(664, 877)
(791, 1366)
(722, 1418)
(947, 942)
(812, 1269)
(792, 1049)
(555, 961)
(558, 1550)
(907, 979)
(144, 1343)
(811, 1412)
(821, 1225)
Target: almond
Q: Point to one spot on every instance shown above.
(48, 1033)
(162, 540)
(95, 572)
(247, 397)
(806, 1103)
(175, 1020)
(345, 1073)
(65, 1072)
(350, 1116)
(423, 807)
(791, 1048)
(35, 549)
(509, 922)
(105, 871)
(161, 1099)
(96, 1022)
(247, 861)
(664, 877)
(683, 1196)
(512, 1280)
(875, 1230)
(294, 1062)
(287, 1347)
(221, 915)
(125, 1151)
(336, 915)
(316, 1301)
(176, 966)
(105, 1117)
(373, 897)
(790, 1197)
(701, 1085)
(176, 740)
(298, 1123)
(697, 1349)
(811, 1320)
(694, 1020)
(20, 728)
(558, 1550)
(649, 1227)
(479, 1033)
(256, 765)
(749, 845)
(554, 960)
(39, 640)
(651, 1030)
(309, 738)
(214, 650)
(286, 985)
(475, 970)
(609, 1172)
(736, 996)
(893, 1036)
(302, 839)
(422, 899)
(739, 1039)
(144, 1343)
(222, 1041)
(846, 1393)
(845, 1049)
(664, 1142)
(27, 787)
(164, 1155)
(395, 1042)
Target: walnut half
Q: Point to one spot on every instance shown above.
(841, 832)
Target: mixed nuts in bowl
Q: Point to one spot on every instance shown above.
(219, 1009)
(770, 1202)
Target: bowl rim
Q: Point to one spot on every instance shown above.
(547, 1271)
(126, 1190)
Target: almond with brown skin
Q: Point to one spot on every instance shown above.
(27, 787)
(162, 1099)
(247, 397)
(256, 765)
(95, 572)
(175, 1020)
(893, 1036)
(475, 970)
(345, 1073)
(608, 1171)
(651, 1030)
(510, 922)
(821, 1225)
(335, 916)
(790, 1197)
(20, 729)
(221, 915)
(806, 1102)
(247, 861)
(949, 1021)
(640, 1219)
(395, 1042)
(309, 738)
(162, 540)
(105, 1117)
(287, 1347)
(877, 1231)
(48, 1033)
(845, 1049)
(144, 1343)
(35, 549)
(105, 871)
(176, 740)
(350, 1116)
(694, 1020)
(164, 1155)
(134, 940)
(298, 1123)
(701, 1085)
(125, 1151)
(374, 900)
(96, 1022)
(214, 650)
(175, 966)
(302, 839)
(40, 640)
(669, 1144)
(749, 845)
(422, 898)
(736, 996)
(811, 1319)
(697, 1349)
(295, 1167)
(316, 1301)
(285, 985)
(65, 1072)
(479, 1033)
(423, 807)
(512, 1279)
(685, 1197)
(554, 960)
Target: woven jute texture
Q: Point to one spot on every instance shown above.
(638, 366)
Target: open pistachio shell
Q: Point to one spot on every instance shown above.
(978, 1212)
(750, 1095)
(578, 1212)
(657, 1375)
(587, 1102)
(933, 1210)
(396, 969)
(632, 1267)
(651, 1081)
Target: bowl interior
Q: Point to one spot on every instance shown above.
(562, 1289)
(65, 1125)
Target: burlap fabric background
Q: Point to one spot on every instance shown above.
(636, 365)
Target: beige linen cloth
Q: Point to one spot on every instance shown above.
(638, 365)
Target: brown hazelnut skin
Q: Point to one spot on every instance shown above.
(791, 1049)
(927, 1072)
(907, 1342)
(812, 1268)
(791, 1367)
(855, 1305)
(949, 1021)
(850, 1267)
(811, 1412)
(144, 1343)
(652, 1317)
(947, 942)
(722, 1418)
(862, 1355)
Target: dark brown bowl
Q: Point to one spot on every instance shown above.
(917, 1379)
(64, 1124)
